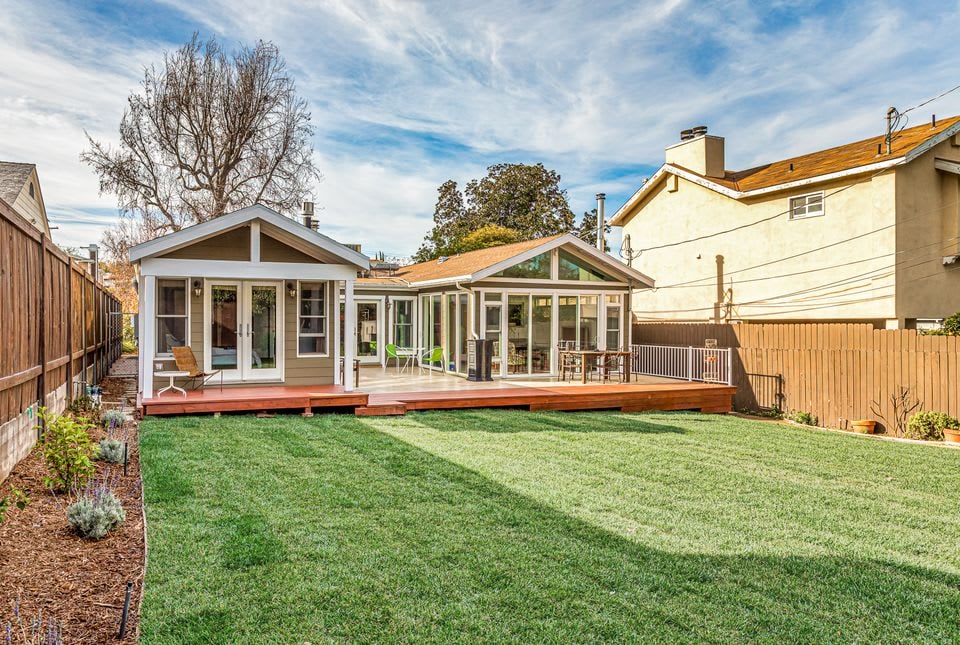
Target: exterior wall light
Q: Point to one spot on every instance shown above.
(291, 290)
(197, 288)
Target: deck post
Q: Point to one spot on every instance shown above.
(148, 337)
(349, 334)
(334, 286)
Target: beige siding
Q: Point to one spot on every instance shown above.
(32, 208)
(273, 250)
(231, 245)
(861, 210)
(928, 227)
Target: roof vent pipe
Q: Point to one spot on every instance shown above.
(308, 214)
(699, 131)
(686, 135)
(601, 221)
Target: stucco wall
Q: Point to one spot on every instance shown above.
(788, 288)
(928, 225)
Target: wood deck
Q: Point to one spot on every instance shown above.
(308, 399)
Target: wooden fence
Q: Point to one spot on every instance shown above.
(836, 371)
(58, 326)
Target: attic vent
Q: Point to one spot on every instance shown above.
(442, 259)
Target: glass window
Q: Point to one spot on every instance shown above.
(171, 315)
(312, 325)
(537, 267)
(588, 322)
(806, 206)
(571, 267)
(541, 332)
(614, 317)
(403, 323)
(568, 321)
(518, 322)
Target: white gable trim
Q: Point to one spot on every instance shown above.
(586, 249)
(198, 232)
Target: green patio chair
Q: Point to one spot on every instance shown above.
(391, 349)
(433, 356)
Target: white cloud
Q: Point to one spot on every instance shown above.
(585, 87)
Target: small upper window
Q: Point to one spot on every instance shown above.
(31, 190)
(536, 267)
(806, 206)
(572, 268)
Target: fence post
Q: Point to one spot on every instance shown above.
(690, 363)
(41, 323)
(69, 330)
(729, 366)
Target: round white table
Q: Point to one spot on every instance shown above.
(172, 374)
(411, 354)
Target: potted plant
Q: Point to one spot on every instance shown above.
(951, 435)
(934, 426)
(864, 426)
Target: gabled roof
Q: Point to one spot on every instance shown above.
(483, 263)
(210, 228)
(823, 165)
(13, 176)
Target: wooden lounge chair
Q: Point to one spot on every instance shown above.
(187, 362)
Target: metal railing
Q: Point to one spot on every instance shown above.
(709, 365)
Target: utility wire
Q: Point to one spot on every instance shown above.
(891, 135)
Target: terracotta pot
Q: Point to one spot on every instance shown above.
(951, 435)
(864, 426)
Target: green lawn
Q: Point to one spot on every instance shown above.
(518, 526)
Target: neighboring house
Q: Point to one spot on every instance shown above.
(860, 232)
(255, 294)
(20, 189)
(527, 297)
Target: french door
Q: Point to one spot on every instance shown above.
(244, 325)
(370, 327)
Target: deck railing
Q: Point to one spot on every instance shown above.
(709, 365)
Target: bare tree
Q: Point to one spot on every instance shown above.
(207, 134)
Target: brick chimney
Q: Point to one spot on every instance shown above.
(698, 151)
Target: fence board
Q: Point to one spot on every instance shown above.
(834, 370)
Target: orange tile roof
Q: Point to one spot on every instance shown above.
(823, 162)
(456, 266)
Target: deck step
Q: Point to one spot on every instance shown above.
(382, 409)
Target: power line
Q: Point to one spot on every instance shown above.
(891, 135)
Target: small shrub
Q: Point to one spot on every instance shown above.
(803, 418)
(67, 451)
(31, 630)
(113, 418)
(111, 450)
(929, 425)
(97, 510)
(17, 498)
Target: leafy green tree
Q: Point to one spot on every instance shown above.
(487, 236)
(523, 197)
(587, 230)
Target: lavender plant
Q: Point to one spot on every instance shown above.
(97, 510)
(32, 630)
(112, 447)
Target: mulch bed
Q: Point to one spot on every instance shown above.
(81, 583)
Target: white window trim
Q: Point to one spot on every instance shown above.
(823, 206)
(393, 318)
(326, 321)
(157, 315)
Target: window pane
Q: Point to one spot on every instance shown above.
(171, 297)
(518, 322)
(223, 327)
(588, 322)
(313, 325)
(171, 332)
(573, 268)
(536, 267)
(568, 319)
(541, 348)
(312, 297)
(313, 345)
(493, 297)
(492, 320)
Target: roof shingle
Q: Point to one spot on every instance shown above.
(12, 178)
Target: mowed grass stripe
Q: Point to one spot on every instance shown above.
(506, 525)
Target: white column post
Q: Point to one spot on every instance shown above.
(255, 241)
(148, 337)
(349, 334)
(334, 287)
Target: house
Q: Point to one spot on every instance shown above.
(526, 297)
(864, 232)
(255, 295)
(20, 188)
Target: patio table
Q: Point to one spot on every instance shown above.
(602, 354)
(172, 375)
(411, 354)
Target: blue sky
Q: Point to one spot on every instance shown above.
(405, 95)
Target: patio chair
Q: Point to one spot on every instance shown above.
(187, 362)
(433, 356)
(613, 366)
(515, 359)
(570, 364)
(391, 350)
